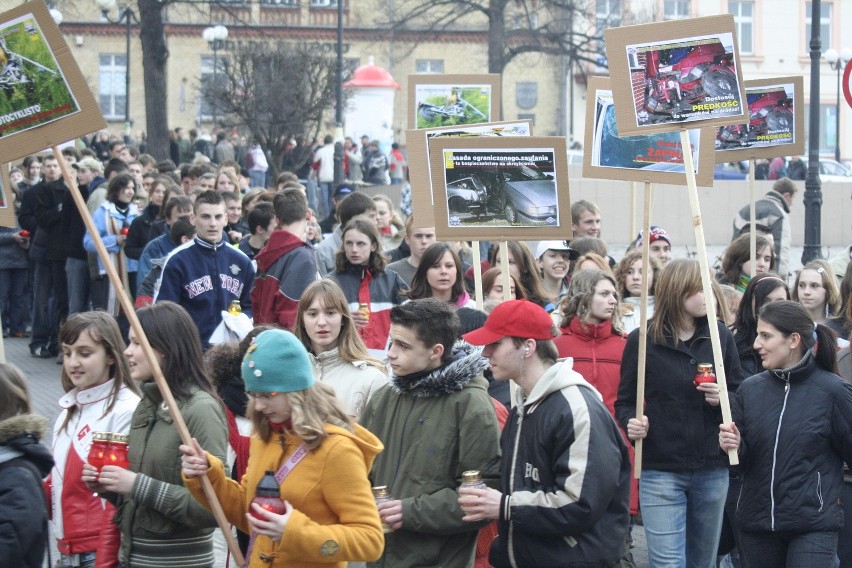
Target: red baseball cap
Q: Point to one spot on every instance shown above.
(515, 318)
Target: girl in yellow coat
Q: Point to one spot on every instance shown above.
(321, 459)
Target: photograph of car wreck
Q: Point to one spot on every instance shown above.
(772, 119)
(499, 188)
(684, 80)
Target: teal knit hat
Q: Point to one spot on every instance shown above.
(277, 362)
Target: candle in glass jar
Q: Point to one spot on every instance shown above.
(704, 374)
(100, 444)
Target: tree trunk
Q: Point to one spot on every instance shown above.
(496, 36)
(155, 54)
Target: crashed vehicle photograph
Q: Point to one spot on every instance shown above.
(771, 120)
(680, 78)
(467, 195)
(528, 195)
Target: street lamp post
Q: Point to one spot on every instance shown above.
(837, 62)
(214, 36)
(127, 15)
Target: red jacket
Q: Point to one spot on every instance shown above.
(285, 267)
(597, 351)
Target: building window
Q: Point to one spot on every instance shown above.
(289, 3)
(323, 3)
(112, 93)
(824, 25)
(607, 15)
(827, 127)
(675, 9)
(204, 108)
(425, 66)
(525, 21)
(527, 116)
(743, 12)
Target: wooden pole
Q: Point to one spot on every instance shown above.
(477, 276)
(707, 286)
(130, 312)
(752, 213)
(505, 276)
(643, 324)
(634, 192)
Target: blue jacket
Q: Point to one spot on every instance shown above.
(158, 248)
(109, 223)
(205, 278)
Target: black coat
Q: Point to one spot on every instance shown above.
(796, 428)
(23, 512)
(142, 232)
(683, 430)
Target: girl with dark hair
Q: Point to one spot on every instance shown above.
(321, 460)
(113, 219)
(492, 286)
(440, 275)
(684, 478)
(523, 266)
(792, 430)
(340, 359)
(99, 397)
(159, 520)
(145, 228)
(761, 290)
(370, 289)
(736, 261)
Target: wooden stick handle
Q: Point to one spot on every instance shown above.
(129, 311)
(707, 285)
(477, 276)
(752, 214)
(643, 325)
(505, 275)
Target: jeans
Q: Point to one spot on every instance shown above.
(805, 550)
(79, 289)
(258, 178)
(311, 190)
(14, 302)
(324, 194)
(50, 302)
(682, 513)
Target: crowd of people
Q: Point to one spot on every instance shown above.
(372, 411)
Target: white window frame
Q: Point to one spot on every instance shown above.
(114, 86)
(425, 66)
(682, 9)
(743, 23)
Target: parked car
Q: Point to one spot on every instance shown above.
(729, 170)
(832, 170)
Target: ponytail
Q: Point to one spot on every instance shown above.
(824, 349)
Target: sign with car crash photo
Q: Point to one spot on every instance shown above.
(775, 124)
(44, 99)
(419, 168)
(656, 158)
(678, 72)
(521, 187)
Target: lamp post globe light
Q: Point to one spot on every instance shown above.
(214, 36)
(837, 62)
(56, 15)
(126, 14)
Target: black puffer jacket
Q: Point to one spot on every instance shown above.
(683, 430)
(796, 428)
(23, 515)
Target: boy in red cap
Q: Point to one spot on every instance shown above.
(565, 473)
